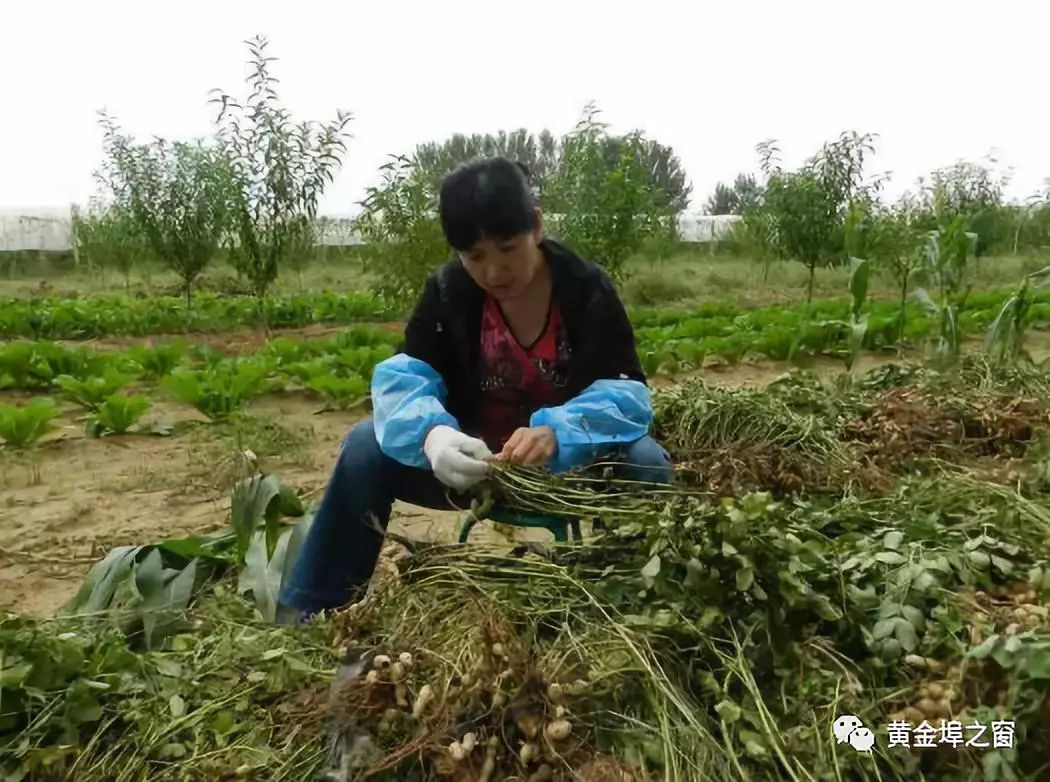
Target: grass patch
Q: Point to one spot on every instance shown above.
(657, 287)
(222, 454)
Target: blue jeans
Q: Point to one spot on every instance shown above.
(340, 552)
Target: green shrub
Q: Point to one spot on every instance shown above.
(655, 288)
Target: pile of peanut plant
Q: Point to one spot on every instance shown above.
(696, 634)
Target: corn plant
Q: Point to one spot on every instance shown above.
(897, 246)
(23, 426)
(857, 325)
(222, 389)
(267, 548)
(91, 392)
(117, 414)
(944, 269)
(1004, 339)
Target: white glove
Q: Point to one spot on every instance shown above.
(456, 458)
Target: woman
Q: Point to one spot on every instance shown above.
(517, 351)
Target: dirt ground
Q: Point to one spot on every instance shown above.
(69, 501)
(74, 498)
(234, 343)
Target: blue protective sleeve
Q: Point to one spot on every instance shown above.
(408, 400)
(606, 413)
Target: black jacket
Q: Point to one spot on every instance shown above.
(445, 329)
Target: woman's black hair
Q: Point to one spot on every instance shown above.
(486, 198)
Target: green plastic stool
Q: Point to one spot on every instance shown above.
(558, 526)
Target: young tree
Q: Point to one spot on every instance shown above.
(603, 212)
(538, 153)
(543, 156)
(175, 191)
(804, 212)
(279, 171)
(895, 244)
(110, 238)
(663, 170)
(736, 200)
(401, 231)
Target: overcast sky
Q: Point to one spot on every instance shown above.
(938, 81)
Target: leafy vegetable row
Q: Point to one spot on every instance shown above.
(75, 318)
(337, 369)
(87, 318)
(819, 329)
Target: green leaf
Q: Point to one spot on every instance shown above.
(169, 668)
(177, 706)
(754, 744)
(23, 426)
(255, 578)
(929, 306)
(164, 607)
(892, 540)
(858, 282)
(728, 711)
(257, 502)
(905, 633)
(214, 546)
(890, 558)
(825, 609)
(290, 554)
(1004, 565)
(891, 650)
(1037, 663)
(97, 591)
(224, 722)
(884, 629)
(652, 568)
(985, 648)
(980, 559)
(745, 577)
(915, 616)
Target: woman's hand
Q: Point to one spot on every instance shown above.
(536, 445)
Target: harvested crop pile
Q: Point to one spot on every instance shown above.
(904, 423)
(691, 637)
(717, 641)
(800, 435)
(735, 440)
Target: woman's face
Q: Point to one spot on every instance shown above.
(504, 267)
